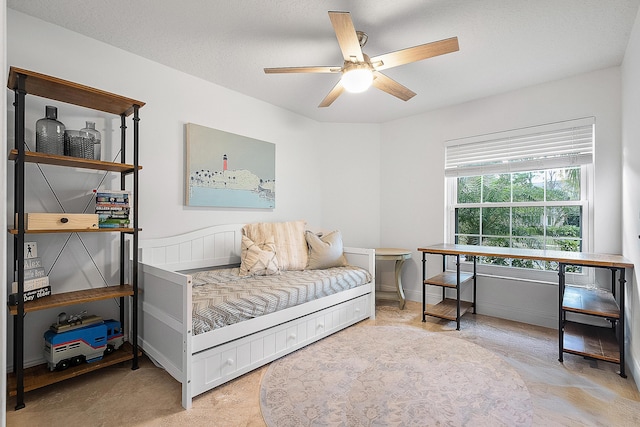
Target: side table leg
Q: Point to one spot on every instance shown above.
(399, 287)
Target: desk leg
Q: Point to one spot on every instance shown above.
(561, 283)
(457, 292)
(399, 287)
(621, 322)
(424, 290)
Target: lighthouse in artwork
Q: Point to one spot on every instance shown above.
(224, 162)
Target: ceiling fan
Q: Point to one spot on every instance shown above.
(359, 71)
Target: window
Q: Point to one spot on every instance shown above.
(527, 188)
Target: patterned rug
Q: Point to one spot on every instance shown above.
(393, 376)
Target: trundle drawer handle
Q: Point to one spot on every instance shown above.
(320, 325)
(229, 361)
(292, 336)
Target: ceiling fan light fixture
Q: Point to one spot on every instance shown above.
(357, 79)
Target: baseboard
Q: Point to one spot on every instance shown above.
(633, 365)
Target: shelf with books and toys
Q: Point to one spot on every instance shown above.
(28, 270)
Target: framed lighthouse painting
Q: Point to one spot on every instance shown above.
(228, 170)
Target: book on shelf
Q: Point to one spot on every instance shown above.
(34, 273)
(112, 197)
(30, 295)
(31, 284)
(32, 263)
(113, 192)
(112, 207)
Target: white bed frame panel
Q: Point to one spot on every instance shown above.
(205, 361)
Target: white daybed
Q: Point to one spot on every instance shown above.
(204, 361)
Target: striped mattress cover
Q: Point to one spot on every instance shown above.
(222, 297)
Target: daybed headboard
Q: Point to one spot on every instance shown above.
(211, 246)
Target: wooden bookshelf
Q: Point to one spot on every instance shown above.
(448, 309)
(40, 376)
(74, 162)
(80, 230)
(72, 93)
(596, 342)
(75, 297)
(448, 279)
(594, 302)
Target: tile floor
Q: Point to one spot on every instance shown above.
(577, 393)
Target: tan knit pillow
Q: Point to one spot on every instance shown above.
(291, 246)
(258, 259)
(325, 251)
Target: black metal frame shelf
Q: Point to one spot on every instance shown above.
(24, 82)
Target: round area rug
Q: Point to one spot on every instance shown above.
(393, 376)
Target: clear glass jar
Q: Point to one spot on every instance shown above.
(91, 132)
(50, 133)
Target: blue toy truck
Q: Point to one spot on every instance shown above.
(86, 344)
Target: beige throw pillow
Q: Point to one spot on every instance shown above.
(291, 246)
(325, 251)
(258, 259)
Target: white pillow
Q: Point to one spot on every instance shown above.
(291, 247)
(258, 259)
(325, 251)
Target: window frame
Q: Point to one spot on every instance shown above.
(507, 272)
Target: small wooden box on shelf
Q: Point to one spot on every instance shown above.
(59, 221)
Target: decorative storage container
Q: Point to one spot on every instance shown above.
(78, 144)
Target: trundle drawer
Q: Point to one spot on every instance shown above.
(217, 365)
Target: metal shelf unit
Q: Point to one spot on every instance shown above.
(24, 82)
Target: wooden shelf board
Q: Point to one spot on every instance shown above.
(447, 309)
(593, 302)
(72, 93)
(591, 341)
(79, 230)
(448, 279)
(75, 297)
(75, 162)
(40, 376)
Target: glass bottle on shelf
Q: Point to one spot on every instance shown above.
(50, 133)
(91, 132)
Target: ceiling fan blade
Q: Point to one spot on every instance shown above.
(391, 86)
(302, 70)
(416, 53)
(333, 95)
(347, 37)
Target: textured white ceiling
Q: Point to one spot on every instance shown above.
(504, 44)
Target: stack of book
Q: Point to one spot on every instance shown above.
(36, 281)
(112, 207)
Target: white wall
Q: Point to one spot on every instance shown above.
(630, 194)
(413, 188)
(313, 183)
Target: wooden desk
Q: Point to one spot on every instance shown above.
(399, 256)
(589, 341)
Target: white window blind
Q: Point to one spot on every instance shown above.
(555, 145)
